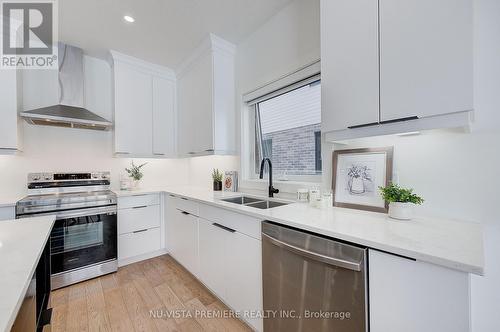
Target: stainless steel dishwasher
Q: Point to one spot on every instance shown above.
(312, 283)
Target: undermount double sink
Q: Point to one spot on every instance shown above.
(255, 202)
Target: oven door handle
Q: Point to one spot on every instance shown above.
(110, 210)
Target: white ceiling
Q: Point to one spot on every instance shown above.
(165, 31)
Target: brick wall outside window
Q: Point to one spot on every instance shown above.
(294, 150)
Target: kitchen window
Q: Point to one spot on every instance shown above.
(286, 128)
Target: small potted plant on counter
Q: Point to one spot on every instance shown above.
(217, 178)
(401, 201)
(135, 173)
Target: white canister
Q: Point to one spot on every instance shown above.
(315, 197)
(124, 182)
(302, 195)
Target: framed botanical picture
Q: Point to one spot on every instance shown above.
(231, 181)
(357, 174)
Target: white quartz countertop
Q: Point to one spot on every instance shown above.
(454, 244)
(21, 244)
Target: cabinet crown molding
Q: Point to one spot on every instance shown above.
(209, 44)
(149, 67)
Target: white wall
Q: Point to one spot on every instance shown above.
(200, 168)
(289, 40)
(50, 149)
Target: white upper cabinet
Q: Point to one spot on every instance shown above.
(164, 127)
(206, 104)
(10, 138)
(133, 111)
(392, 66)
(144, 108)
(349, 63)
(425, 57)
(195, 107)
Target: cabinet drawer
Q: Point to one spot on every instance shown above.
(184, 204)
(138, 218)
(239, 222)
(138, 200)
(138, 243)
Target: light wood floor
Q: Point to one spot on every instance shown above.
(122, 301)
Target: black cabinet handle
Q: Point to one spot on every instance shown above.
(364, 125)
(223, 227)
(184, 212)
(140, 207)
(140, 231)
(184, 198)
(399, 120)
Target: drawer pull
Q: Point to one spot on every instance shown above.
(223, 227)
(185, 213)
(140, 207)
(184, 198)
(140, 231)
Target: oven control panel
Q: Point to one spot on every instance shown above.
(63, 177)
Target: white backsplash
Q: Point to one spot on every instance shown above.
(51, 149)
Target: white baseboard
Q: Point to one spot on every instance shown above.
(138, 258)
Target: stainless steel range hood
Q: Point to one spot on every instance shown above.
(70, 111)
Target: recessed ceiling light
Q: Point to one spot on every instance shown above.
(129, 19)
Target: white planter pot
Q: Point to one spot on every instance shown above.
(135, 184)
(401, 211)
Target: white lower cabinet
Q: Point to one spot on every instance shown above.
(138, 243)
(139, 228)
(230, 261)
(212, 248)
(413, 296)
(243, 262)
(184, 239)
(222, 249)
(138, 218)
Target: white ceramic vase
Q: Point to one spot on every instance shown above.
(401, 211)
(135, 184)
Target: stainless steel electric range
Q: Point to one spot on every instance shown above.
(83, 242)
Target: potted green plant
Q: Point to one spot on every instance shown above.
(217, 179)
(135, 173)
(401, 201)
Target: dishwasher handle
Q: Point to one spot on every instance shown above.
(355, 266)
